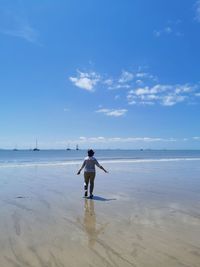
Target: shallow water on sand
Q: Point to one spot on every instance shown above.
(143, 214)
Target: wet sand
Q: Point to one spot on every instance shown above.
(143, 214)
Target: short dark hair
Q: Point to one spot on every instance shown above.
(90, 152)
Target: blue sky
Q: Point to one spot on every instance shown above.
(103, 74)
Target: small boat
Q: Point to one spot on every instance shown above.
(36, 147)
(77, 148)
(68, 148)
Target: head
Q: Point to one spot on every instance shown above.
(90, 152)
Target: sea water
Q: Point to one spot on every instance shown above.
(44, 157)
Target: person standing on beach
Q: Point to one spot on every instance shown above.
(89, 171)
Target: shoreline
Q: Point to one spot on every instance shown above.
(108, 161)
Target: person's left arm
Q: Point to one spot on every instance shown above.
(101, 167)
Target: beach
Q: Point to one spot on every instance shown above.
(143, 214)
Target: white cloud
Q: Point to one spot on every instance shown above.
(85, 80)
(139, 82)
(146, 76)
(101, 139)
(166, 95)
(108, 82)
(117, 97)
(141, 88)
(91, 139)
(157, 33)
(168, 30)
(25, 32)
(112, 112)
(126, 77)
(132, 102)
(196, 138)
(13, 22)
(197, 9)
(141, 74)
(172, 28)
(119, 86)
(123, 139)
(141, 91)
(171, 100)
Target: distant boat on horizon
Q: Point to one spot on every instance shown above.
(15, 149)
(36, 147)
(77, 148)
(68, 148)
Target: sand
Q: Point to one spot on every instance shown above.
(143, 214)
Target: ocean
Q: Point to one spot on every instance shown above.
(62, 157)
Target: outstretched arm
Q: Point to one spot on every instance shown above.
(101, 167)
(83, 165)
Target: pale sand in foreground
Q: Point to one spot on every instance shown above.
(143, 214)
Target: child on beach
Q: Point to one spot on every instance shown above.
(89, 171)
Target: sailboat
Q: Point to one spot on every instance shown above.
(68, 148)
(77, 147)
(36, 147)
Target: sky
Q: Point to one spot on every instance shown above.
(101, 74)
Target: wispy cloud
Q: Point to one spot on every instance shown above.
(166, 95)
(166, 30)
(25, 32)
(171, 28)
(85, 80)
(108, 82)
(112, 112)
(126, 77)
(171, 100)
(196, 138)
(127, 142)
(134, 142)
(117, 97)
(15, 23)
(102, 139)
(197, 11)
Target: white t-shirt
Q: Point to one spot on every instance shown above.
(89, 164)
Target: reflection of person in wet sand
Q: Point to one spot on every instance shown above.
(89, 223)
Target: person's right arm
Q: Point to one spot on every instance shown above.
(83, 165)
